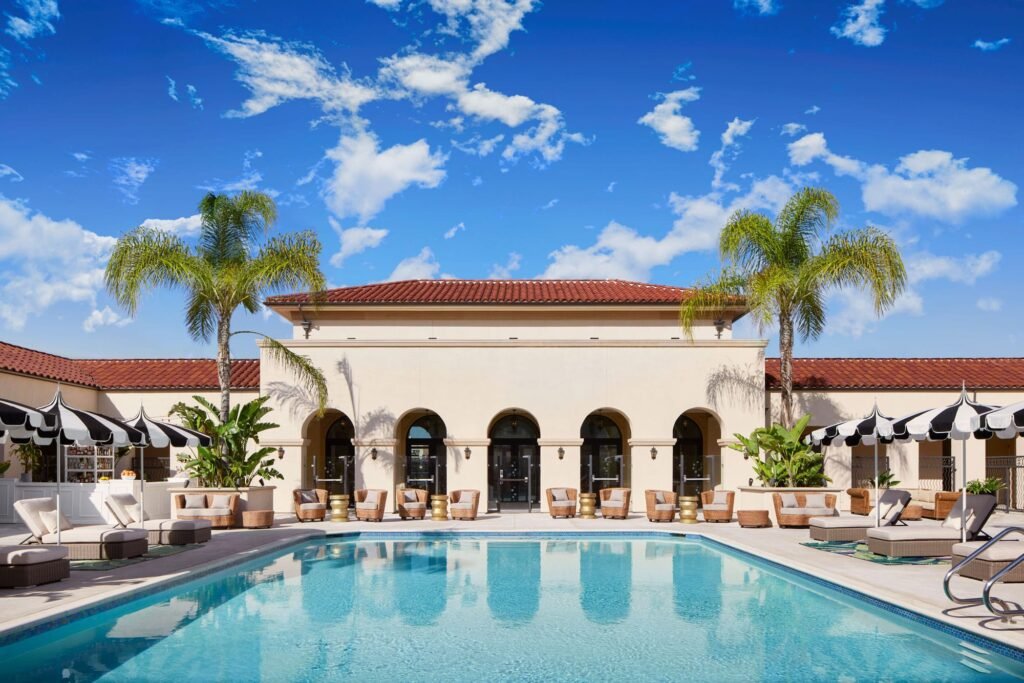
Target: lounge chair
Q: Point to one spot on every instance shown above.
(127, 511)
(933, 541)
(412, 503)
(990, 562)
(219, 509)
(661, 505)
(796, 509)
(855, 528)
(22, 566)
(615, 503)
(718, 505)
(370, 504)
(464, 504)
(84, 542)
(561, 502)
(310, 504)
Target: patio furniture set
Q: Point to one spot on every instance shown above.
(371, 504)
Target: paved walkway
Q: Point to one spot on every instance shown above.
(918, 588)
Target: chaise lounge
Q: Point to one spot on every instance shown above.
(310, 504)
(615, 503)
(934, 541)
(412, 503)
(23, 566)
(219, 509)
(370, 504)
(561, 502)
(83, 543)
(127, 511)
(718, 505)
(661, 505)
(855, 528)
(464, 504)
(990, 562)
(797, 509)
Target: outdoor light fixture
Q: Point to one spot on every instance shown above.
(515, 421)
(654, 453)
(467, 452)
(373, 454)
(719, 327)
(307, 326)
(750, 482)
(280, 452)
(561, 453)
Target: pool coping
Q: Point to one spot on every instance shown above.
(24, 628)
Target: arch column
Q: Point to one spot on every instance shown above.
(557, 471)
(647, 472)
(471, 472)
(376, 473)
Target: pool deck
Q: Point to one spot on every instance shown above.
(914, 587)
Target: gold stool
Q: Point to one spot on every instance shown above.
(439, 508)
(688, 509)
(588, 506)
(339, 507)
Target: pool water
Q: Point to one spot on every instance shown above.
(475, 609)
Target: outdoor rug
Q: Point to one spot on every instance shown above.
(154, 552)
(860, 551)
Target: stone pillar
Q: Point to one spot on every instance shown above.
(471, 472)
(376, 472)
(559, 465)
(650, 464)
(296, 471)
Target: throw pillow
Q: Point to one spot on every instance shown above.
(559, 494)
(788, 500)
(659, 496)
(410, 496)
(815, 500)
(615, 496)
(894, 509)
(50, 520)
(371, 498)
(195, 501)
(221, 500)
(308, 496)
(721, 498)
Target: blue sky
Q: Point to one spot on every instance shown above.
(511, 138)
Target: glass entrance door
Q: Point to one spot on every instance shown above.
(603, 465)
(515, 476)
(339, 459)
(424, 467)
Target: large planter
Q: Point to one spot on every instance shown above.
(760, 497)
(250, 497)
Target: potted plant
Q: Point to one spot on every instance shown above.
(4, 466)
(30, 455)
(786, 461)
(886, 480)
(990, 486)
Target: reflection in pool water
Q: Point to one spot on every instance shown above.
(499, 609)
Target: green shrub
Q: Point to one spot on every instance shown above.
(781, 458)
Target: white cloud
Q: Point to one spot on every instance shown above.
(987, 46)
(172, 88)
(422, 266)
(365, 177)
(387, 4)
(793, 129)
(488, 23)
(762, 7)
(486, 104)
(249, 180)
(129, 175)
(81, 157)
(861, 24)
(103, 317)
(38, 19)
(354, 241)
(193, 96)
(186, 226)
(736, 128)
(676, 131)
(550, 204)
(477, 181)
(451, 232)
(964, 270)
(930, 183)
(856, 311)
(426, 74)
(814, 109)
(990, 304)
(504, 272)
(46, 261)
(478, 146)
(611, 185)
(9, 173)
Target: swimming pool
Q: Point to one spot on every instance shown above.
(488, 608)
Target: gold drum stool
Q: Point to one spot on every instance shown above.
(588, 506)
(688, 509)
(339, 507)
(439, 508)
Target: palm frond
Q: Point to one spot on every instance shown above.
(810, 315)
(232, 225)
(806, 217)
(308, 375)
(749, 242)
(145, 259)
(866, 258)
(712, 299)
(289, 262)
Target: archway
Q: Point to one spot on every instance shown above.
(337, 473)
(513, 463)
(425, 461)
(696, 453)
(604, 454)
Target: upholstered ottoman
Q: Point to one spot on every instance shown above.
(27, 565)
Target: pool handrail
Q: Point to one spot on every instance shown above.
(985, 597)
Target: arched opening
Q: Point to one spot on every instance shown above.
(696, 455)
(604, 454)
(426, 454)
(337, 473)
(513, 463)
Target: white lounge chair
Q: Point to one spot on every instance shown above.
(127, 511)
(934, 541)
(855, 527)
(83, 543)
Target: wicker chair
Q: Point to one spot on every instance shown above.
(370, 504)
(714, 509)
(310, 504)
(800, 516)
(612, 508)
(220, 517)
(464, 504)
(562, 507)
(860, 501)
(944, 503)
(661, 505)
(412, 503)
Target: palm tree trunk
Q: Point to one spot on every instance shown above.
(224, 365)
(786, 367)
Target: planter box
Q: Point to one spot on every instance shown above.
(760, 497)
(250, 497)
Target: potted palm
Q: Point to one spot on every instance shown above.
(30, 456)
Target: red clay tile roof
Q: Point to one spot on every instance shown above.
(900, 373)
(508, 292)
(124, 374)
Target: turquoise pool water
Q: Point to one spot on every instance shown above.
(476, 609)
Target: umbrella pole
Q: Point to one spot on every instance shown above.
(59, 459)
(142, 486)
(963, 492)
(878, 507)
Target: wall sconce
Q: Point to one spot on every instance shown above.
(750, 482)
(280, 452)
(654, 453)
(719, 328)
(307, 326)
(373, 454)
(561, 453)
(467, 452)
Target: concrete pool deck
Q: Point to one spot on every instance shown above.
(914, 587)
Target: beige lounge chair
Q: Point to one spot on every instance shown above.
(310, 504)
(855, 528)
(717, 505)
(661, 505)
(22, 566)
(84, 542)
(561, 502)
(464, 504)
(615, 503)
(995, 558)
(933, 541)
(412, 503)
(370, 504)
(219, 509)
(127, 511)
(796, 509)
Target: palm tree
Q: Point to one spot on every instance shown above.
(227, 268)
(784, 270)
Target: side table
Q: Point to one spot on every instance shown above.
(257, 519)
(753, 519)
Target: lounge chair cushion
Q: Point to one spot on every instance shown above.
(409, 496)
(204, 512)
(126, 508)
(615, 496)
(664, 506)
(815, 500)
(461, 506)
(559, 494)
(466, 497)
(52, 519)
(721, 498)
(96, 534)
(893, 512)
(716, 507)
(788, 500)
(366, 505)
(176, 524)
(915, 533)
(316, 506)
(29, 508)
(194, 501)
(659, 497)
(953, 520)
(28, 554)
(1003, 551)
(371, 499)
(851, 522)
(809, 511)
(562, 504)
(415, 505)
(308, 496)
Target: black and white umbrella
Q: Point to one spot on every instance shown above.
(162, 435)
(18, 417)
(1005, 422)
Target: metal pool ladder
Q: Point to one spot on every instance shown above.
(999, 608)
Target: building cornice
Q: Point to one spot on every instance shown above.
(521, 343)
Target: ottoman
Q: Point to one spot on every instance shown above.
(31, 565)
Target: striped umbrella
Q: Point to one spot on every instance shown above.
(1005, 422)
(162, 435)
(21, 418)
